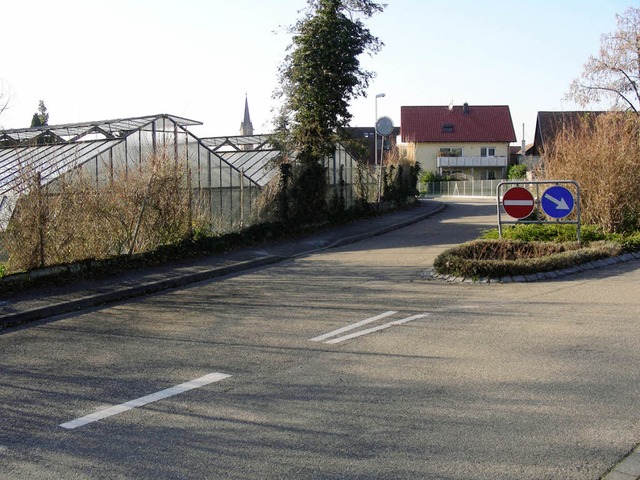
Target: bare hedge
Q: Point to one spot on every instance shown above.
(602, 153)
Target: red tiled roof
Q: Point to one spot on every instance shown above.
(480, 124)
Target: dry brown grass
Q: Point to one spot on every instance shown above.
(400, 175)
(74, 218)
(601, 153)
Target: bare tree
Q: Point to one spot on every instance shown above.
(615, 73)
(5, 95)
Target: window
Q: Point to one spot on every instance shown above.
(488, 152)
(447, 128)
(450, 152)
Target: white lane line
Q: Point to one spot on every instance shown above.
(376, 329)
(352, 326)
(139, 402)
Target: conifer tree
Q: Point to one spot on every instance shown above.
(320, 75)
(40, 118)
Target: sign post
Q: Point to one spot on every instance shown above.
(384, 128)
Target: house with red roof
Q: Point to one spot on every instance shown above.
(467, 141)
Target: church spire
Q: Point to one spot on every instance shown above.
(246, 127)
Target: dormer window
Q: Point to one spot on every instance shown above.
(447, 128)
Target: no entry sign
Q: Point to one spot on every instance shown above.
(518, 202)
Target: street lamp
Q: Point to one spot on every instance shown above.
(375, 147)
(375, 132)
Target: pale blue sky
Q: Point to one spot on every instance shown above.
(93, 60)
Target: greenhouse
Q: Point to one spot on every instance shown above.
(226, 173)
(100, 149)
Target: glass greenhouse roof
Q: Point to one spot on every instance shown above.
(72, 132)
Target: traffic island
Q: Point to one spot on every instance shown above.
(506, 261)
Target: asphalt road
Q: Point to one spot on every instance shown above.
(514, 381)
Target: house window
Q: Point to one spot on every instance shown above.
(488, 152)
(447, 128)
(450, 152)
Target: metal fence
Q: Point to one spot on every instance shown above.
(467, 188)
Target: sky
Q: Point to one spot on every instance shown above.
(90, 60)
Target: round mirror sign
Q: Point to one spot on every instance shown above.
(384, 126)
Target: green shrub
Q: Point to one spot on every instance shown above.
(630, 243)
(548, 233)
(516, 172)
(428, 177)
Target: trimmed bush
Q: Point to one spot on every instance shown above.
(548, 233)
(499, 258)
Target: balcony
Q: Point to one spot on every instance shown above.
(471, 162)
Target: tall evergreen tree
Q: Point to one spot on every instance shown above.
(320, 75)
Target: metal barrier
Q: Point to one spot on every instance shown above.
(523, 201)
(467, 188)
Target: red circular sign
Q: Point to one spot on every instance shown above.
(518, 202)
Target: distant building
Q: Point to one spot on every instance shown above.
(246, 127)
(467, 141)
(548, 124)
(365, 139)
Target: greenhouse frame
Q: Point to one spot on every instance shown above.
(227, 172)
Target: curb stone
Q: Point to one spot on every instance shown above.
(92, 300)
(628, 468)
(125, 293)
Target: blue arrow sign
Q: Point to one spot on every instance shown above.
(557, 201)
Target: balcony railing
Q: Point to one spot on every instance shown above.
(447, 162)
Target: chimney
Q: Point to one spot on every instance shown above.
(465, 107)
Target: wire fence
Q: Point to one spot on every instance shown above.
(472, 188)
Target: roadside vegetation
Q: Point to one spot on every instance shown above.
(146, 215)
(600, 152)
(529, 249)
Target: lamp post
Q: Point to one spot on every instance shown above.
(375, 147)
(375, 132)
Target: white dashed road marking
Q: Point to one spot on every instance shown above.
(366, 331)
(139, 402)
(376, 329)
(352, 326)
